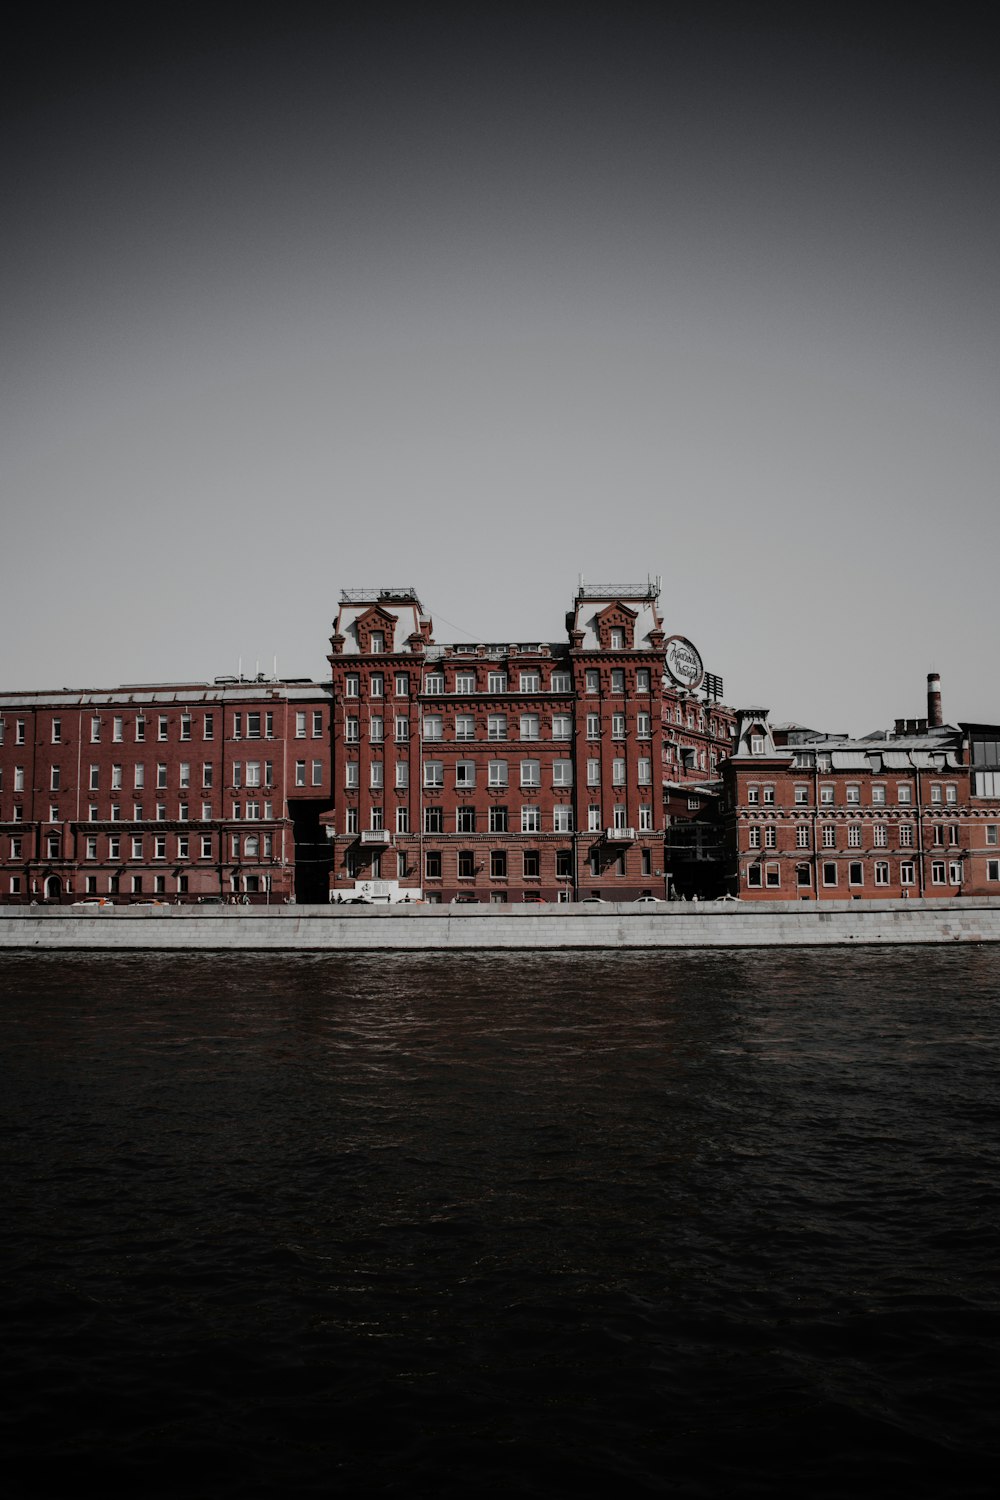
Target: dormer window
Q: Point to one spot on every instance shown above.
(617, 639)
(756, 744)
(377, 642)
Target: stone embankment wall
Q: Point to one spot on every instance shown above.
(681, 925)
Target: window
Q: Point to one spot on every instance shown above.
(826, 796)
(375, 773)
(937, 872)
(562, 819)
(376, 687)
(465, 682)
(906, 873)
(352, 731)
(434, 773)
(498, 864)
(770, 838)
(465, 773)
(755, 876)
(376, 820)
(951, 793)
(642, 680)
(162, 727)
(756, 744)
(531, 864)
(497, 682)
(433, 820)
(300, 726)
(993, 869)
(753, 838)
(466, 865)
(618, 772)
(402, 773)
(855, 873)
(434, 682)
(562, 682)
(593, 817)
(644, 771)
(498, 820)
(953, 833)
(139, 776)
(206, 846)
(465, 820)
(402, 731)
(618, 726)
(617, 639)
(618, 681)
(56, 731)
(801, 796)
(352, 685)
(938, 833)
(161, 776)
(91, 848)
(829, 872)
(593, 773)
(237, 773)
(530, 682)
(19, 732)
(465, 727)
(137, 885)
(906, 835)
(593, 681)
(593, 726)
(496, 726)
(54, 778)
(208, 727)
(183, 846)
(185, 726)
(880, 835)
(531, 820)
(376, 642)
(402, 684)
(643, 726)
(772, 875)
(854, 836)
(853, 795)
(433, 727)
(402, 820)
(95, 778)
(137, 847)
(432, 865)
(753, 795)
(300, 772)
(497, 773)
(160, 846)
(904, 792)
(531, 773)
(829, 836)
(562, 727)
(878, 796)
(562, 772)
(317, 773)
(991, 833)
(376, 729)
(881, 872)
(529, 726)
(802, 836)
(936, 794)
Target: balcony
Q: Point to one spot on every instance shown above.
(380, 837)
(619, 835)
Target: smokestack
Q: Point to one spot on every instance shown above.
(934, 719)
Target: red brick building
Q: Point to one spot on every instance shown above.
(910, 813)
(165, 792)
(505, 772)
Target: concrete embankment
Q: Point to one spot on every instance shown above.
(353, 928)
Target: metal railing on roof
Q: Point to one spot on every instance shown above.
(648, 590)
(363, 596)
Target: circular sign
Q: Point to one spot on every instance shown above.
(683, 662)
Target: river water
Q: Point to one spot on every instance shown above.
(694, 1224)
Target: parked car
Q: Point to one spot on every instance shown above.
(647, 900)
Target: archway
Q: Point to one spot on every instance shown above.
(53, 888)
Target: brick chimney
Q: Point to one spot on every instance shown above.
(934, 718)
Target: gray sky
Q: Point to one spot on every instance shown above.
(480, 298)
